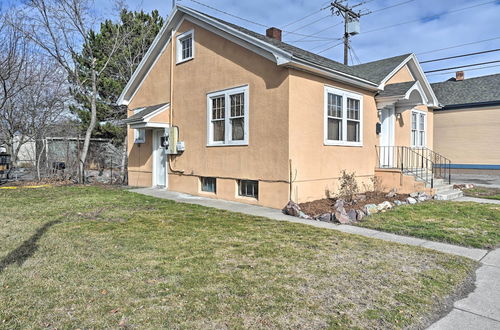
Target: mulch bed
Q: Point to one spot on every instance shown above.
(323, 206)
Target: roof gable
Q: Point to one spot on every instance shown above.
(379, 70)
(469, 91)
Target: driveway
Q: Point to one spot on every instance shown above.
(492, 181)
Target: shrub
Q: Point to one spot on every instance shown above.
(348, 185)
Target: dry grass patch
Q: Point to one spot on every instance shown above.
(67, 262)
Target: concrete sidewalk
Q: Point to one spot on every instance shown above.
(477, 200)
(479, 310)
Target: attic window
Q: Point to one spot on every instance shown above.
(185, 46)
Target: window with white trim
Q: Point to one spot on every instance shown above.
(248, 188)
(139, 133)
(418, 128)
(185, 46)
(228, 117)
(343, 117)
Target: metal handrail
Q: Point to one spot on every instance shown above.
(421, 162)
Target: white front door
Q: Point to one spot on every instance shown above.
(160, 178)
(388, 119)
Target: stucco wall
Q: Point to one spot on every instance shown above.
(286, 118)
(403, 75)
(402, 132)
(316, 167)
(155, 89)
(220, 64)
(469, 136)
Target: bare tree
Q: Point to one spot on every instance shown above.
(62, 28)
(13, 52)
(29, 114)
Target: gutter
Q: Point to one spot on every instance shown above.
(470, 105)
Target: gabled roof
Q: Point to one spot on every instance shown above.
(298, 52)
(396, 89)
(145, 113)
(479, 90)
(377, 71)
(370, 76)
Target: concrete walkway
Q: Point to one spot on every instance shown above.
(479, 310)
(477, 200)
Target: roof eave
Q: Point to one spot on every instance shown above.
(332, 74)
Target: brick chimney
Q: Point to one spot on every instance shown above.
(459, 76)
(274, 33)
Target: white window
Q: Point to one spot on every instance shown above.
(139, 135)
(228, 117)
(248, 188)
(418, 128)
(185, 46)
(343, 117)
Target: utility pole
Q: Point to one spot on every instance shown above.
(351, 22)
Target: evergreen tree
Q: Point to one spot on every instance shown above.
(130, 39)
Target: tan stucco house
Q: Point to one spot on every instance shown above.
(467, 127)
(252, 119)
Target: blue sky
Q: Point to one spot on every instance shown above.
(418, 26)
(435, 24)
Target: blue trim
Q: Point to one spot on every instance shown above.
(470, 166)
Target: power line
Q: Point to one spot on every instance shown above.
(389, 7)
(428, 17)
(331, 27)
(466, 70)
(308, 24)
(259, 24)
(458, 56)
(324, 50)
(318, 32)
(308, 15)
(226, 13)
(459, 45)
(461, 66)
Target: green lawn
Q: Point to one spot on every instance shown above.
(89, 257)
(468, 224)
(483, 192)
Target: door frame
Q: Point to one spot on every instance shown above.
(155, 136)
(388, 134)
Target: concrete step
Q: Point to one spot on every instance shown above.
(449, 195)
(442, 188)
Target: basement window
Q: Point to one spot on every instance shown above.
(208, 184)
(185, 46)
(248, 188)
(343, 118)
(228, 117)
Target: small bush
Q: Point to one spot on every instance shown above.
(348, 185)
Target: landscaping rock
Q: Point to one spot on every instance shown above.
(326, 217)
(360, 198)
(384, 206)
(391, 194)
(292, 209)
(302, 215)
(360, 215)
(411, 200)
(370, 209)
(398, 203)
(414, 195)
(342, 218)
(339, 204)
(352, 214)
